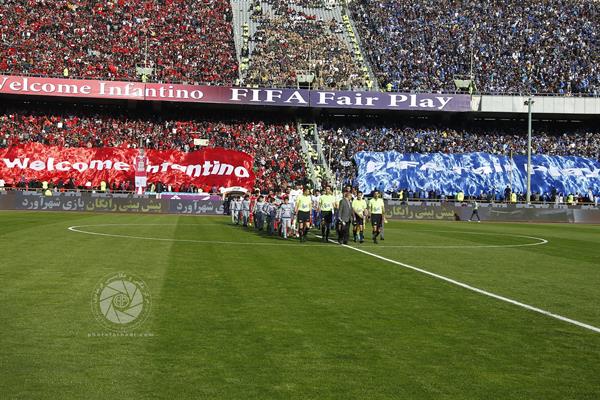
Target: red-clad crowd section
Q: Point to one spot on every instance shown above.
(180, 40)
(274, 146)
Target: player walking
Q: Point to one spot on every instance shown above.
(236, 208)
(246, 211)
(316, 215)
(475, 212)
(345, 218)
(359, 207)
(259, 216)
(286, 212)
(377, 211)
(303, 205)
(294, 194)
(326, 205)
(270, 210)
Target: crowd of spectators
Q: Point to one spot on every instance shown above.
(328, 4)
(274, 146)
(182, 40)
(539, 46)
(288, 40)
(344, 141)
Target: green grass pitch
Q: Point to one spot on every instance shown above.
(236, 315)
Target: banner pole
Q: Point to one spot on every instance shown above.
(529, 102)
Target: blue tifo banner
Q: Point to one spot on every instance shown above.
(475, 173)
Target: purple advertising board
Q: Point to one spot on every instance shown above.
(97, 89)
(390, 101)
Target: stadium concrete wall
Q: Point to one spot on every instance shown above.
(128, 203)
(542, 104)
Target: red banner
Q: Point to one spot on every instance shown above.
(203, 169)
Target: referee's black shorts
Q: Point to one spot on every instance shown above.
(327, 216)
(358, 220)
(303, 216)
(376, 219)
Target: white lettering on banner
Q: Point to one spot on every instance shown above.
(16, 163)
(100, 165)
(573, 171)
(443, 101)
(556, 172)
(114, 91)
(397, 99)
(121, 166)
(193, 170)
(196, 94)
(241, 172)
(208, 168)
(80, 166)
(273, 94)
(552, 171)
(237, 94)
(255, 95)
(356, 99)
(130, 90)
(432, 165)
(486, 169)
(402, 164)
(225, 169)
(15, 86)
(37, 165)
(67, 88)
(324, 97)
(266, 96)
(297, 98)
(178, 167)
(483, 170)
(497, 166)
(22, 84)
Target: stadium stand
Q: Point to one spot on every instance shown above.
(181, 41)
(306, 36)
(343, 141)
(275, 146)
(539, 46)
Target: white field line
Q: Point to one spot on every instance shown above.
(401, 264)
(76, 228)
(480, 291)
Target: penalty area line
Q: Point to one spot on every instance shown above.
(477, 290)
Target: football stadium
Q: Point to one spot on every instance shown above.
(300, 199)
